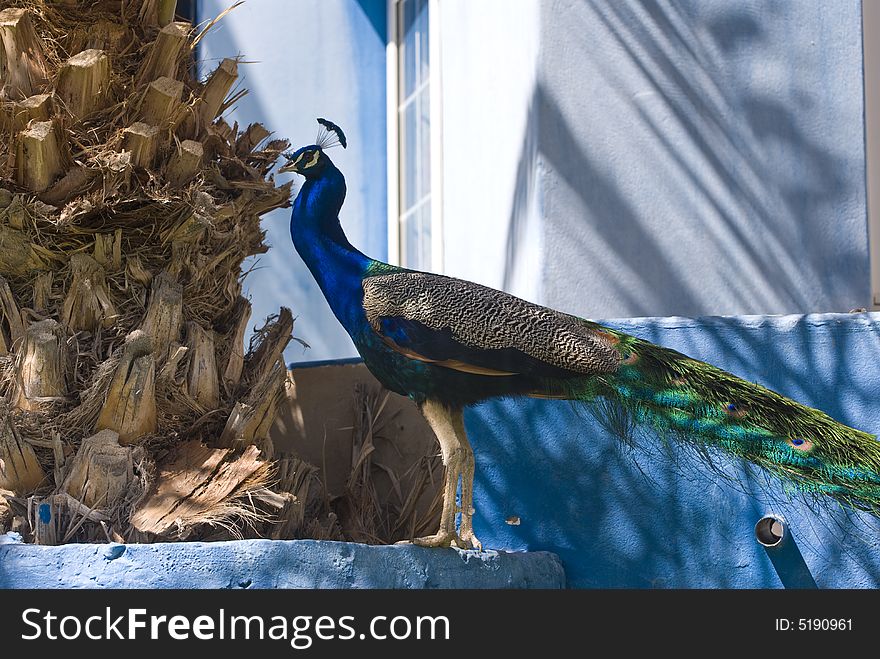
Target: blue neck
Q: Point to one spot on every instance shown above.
(318, 238)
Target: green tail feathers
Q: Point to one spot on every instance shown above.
(711, 409)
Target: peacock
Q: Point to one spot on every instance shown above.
(448, 343)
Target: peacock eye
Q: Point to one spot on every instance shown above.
(629, 358)
(310, 158)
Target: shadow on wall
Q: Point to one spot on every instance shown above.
(375, 12)
(658, 516)
(679, 178)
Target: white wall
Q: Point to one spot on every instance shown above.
(491, 206)
(637, 158)
(307, 60)
(704, 157)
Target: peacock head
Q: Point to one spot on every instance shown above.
(309, 161)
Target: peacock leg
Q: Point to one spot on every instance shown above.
(466, 532)
(443, 422)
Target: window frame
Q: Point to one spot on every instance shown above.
(435, 116)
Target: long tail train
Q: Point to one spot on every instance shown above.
(708, 408)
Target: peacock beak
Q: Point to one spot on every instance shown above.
(292, 163)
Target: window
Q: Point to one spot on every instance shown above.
(413, 92)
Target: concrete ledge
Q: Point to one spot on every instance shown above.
(272, 564)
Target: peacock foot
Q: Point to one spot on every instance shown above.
(470, 541)
(439, 539)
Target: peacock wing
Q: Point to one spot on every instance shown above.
(468, 327)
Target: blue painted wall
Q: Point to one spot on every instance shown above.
(306, 60)
(658, 518)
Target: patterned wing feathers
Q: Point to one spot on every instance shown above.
(457, 321)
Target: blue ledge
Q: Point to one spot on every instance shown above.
(272, 564)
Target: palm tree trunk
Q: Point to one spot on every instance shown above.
(127, 207)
